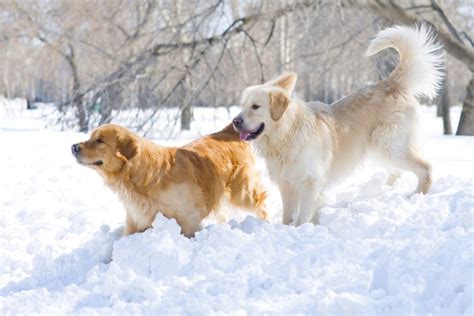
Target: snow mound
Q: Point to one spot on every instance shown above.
(378, 250)
(389, 254)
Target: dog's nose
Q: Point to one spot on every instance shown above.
(237, 121)
(75, 149)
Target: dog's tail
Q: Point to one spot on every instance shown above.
(419, 72)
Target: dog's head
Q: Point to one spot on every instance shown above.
(263, 106)
(108, 149)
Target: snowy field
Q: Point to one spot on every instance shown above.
(378, 250)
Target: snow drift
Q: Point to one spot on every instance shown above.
(378, 250)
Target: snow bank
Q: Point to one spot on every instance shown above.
(378, 249)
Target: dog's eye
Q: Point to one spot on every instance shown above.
(255, 107)
(99, 141)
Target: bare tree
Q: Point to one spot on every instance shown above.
(454, 43)
(98, 58)
(443, 105)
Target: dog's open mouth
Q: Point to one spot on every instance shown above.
(95, 163)
(249, 135)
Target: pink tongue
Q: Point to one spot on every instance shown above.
(244, 135)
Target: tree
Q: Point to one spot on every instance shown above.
(98, 58)
(453, 43)
(444, 102)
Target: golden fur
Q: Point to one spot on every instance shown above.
(186, 183)
(310, 145)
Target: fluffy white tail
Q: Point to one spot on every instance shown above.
(419, 71)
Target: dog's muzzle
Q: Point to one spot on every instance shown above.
(244, 134)
(75, 149)
(238, 122)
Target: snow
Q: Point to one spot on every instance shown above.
(378, 249)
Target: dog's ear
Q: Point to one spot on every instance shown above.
(285, 81)
(127, 147)
(279, 102)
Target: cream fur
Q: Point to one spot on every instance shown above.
(311, 144)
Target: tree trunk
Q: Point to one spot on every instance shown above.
(307, 86)
(186, 116)
(81, 112)
(466, 122)
(439, 101)
(77, 99)
(443, 104)
(439, 108)
(77, 102)
(105, 114)
(110, 98)
(447, 128)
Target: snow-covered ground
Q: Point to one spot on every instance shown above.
(378, 250)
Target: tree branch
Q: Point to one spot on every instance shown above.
(234, 28)
(392, 11)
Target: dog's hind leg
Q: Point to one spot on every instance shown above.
(420, 167)
(252, 198)
(393, 176)
(411, 162)
(189, 224)
(396, 146)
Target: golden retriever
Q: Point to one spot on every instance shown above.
(310, 145)
(185, 183)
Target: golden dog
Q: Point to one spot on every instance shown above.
(185, 183)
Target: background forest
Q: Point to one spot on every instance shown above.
(96, 58)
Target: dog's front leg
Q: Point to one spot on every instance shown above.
(130, 227)
(290, 201)
(311, 201)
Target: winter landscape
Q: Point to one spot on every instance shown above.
(173, 71)
(378, 249)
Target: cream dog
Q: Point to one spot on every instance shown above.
(306, 147)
